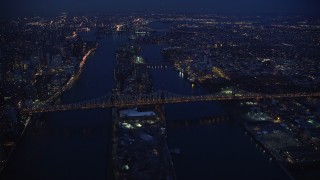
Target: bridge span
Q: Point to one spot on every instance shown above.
(158, 97)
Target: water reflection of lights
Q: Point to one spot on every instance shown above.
(181, 74)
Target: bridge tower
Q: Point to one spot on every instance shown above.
(163, 94)
(114, 97)
(233, 92)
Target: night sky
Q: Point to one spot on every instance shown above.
(14, 7)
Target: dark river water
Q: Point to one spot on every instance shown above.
(76, 144)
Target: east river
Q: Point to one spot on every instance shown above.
(77, 144)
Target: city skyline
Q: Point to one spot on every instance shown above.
(21, 8)
(159, 90)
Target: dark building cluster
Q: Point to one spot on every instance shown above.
(40, 57)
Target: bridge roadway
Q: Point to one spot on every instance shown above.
(159, 97)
